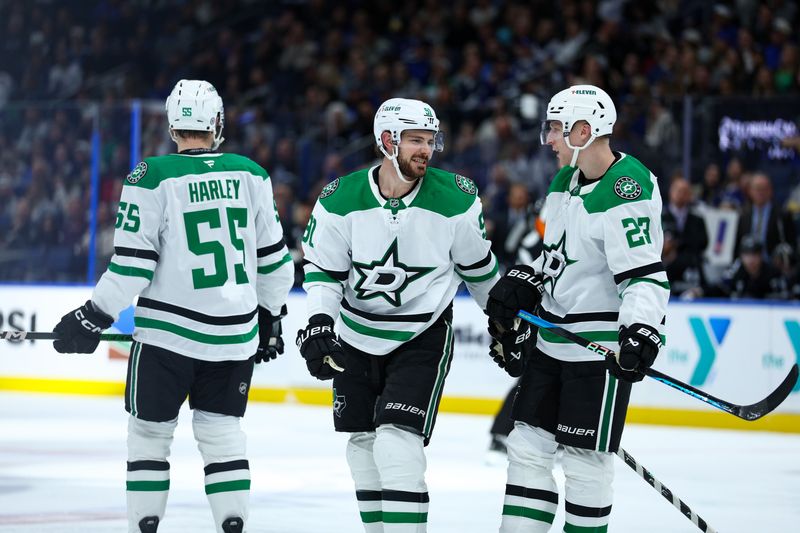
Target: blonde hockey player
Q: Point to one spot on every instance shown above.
(600, 275)
(386, 248)
(198, 238)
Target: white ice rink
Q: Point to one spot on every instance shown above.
(62, 469)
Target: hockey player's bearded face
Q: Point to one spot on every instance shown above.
(416, 148)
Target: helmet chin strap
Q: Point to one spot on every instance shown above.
(393, 159)
(576, 149)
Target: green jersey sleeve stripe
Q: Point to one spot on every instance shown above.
(205, 338)
(662, 284)
(594, 336)
(319, 277)
(130, 271)
(387, 334)
(267, 269)
(484, 277)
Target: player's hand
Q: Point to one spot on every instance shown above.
(79, 330)
(270, 342)
(319, 346)
(511, 348)
(520, 288)
(638, 348)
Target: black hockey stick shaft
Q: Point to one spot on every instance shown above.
(745, 412)
(665, 492)
(51, 336)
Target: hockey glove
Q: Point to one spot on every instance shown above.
(638, 348)
(319, 346)
(520, 288)
(511, 348)
(79, 330)
(270, 342)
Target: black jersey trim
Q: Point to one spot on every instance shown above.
(405, 496)
(574, 318)
(335, 274)
(135, 252)
(588, 512)
(533, 494)
(216, 468)
(419, 317)
(271, 249)
(232, 320)
(134, 466)
(480, 264)
(368, 495)
(639, 272)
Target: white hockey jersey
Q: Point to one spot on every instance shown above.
(602, 257)
(388, 268)
(199, 239)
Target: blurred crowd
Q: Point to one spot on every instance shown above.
(301, 81)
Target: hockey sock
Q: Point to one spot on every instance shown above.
(148, 470)
(222, 444)
(366, 480)
(400, 458)
(531, 496)
(589, 477)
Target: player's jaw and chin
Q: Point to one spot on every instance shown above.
(413, 169)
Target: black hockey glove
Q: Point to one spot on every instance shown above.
(520, 288)
(270, 342)
(511, 348)
(638, 348)
(79, 330)
(319, 346)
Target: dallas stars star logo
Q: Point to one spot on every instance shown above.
(386, 277)
(555, 261)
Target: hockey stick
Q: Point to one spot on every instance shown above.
(745, 412)
(51, 336)
(665, 492)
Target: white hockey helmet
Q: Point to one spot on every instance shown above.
(195, 105)
(580, 102)
(396, 115)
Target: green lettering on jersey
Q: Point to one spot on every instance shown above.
(213, 189)
(235, 188)
(193, 196)
(204, 196)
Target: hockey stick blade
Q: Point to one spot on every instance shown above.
(51, 336)
(745, 412)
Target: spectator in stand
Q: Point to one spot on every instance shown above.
(685, 240)
(766, 221)
(751, 276)
(710, 191)
(512, 224)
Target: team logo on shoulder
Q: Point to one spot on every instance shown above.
(627, 188)
(466, 184)
(329, 188)
(138, 172)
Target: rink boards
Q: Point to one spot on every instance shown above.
(736, 351)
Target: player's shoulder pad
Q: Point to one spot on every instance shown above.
(349, 193)
(237, 161)
(446, 193)
(627, 181)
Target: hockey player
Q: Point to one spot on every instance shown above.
(386, 248)
(198, 238)
(600, 276)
